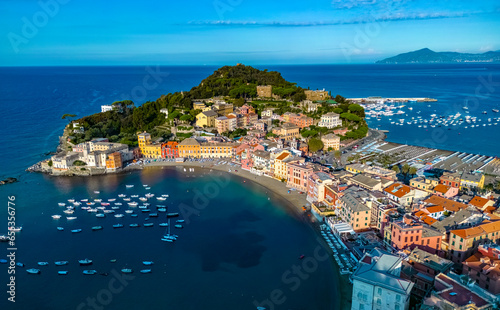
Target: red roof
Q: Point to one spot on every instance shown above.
(397, 189)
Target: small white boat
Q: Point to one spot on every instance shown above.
(100, 215)
(134, 196)
(119, 215)
(61, 204)
(161, 198)
(129, 211)
(69, 211)
(133, 204)
(97, 192)
(122, 195)
(70, 218)
(56, 216)
(143, 199)
(71, 200)
(129, 186)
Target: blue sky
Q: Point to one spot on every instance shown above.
(91, 32)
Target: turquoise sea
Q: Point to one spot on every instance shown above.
(244, 245)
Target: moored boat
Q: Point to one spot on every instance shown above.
(163, 224)
(33, 271)
(127, 270)
(173, 214)
(62, 272)
(85, 262)
(76, 230)
(146, 271)
(118, 226)
(178, 226)
(61, 263)
(129, 186)
(56, 216)
(134, 225)
(42, 263)
(96, 227)
(60, 228)
(148, 225)
(147, 263)
(89, 272)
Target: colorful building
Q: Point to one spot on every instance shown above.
(400, 193)
(206, 119)
(331, 141)
(298, 175)
(471, 180)
(114, 161)
(170, 150)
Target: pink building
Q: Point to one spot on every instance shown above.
(298, 175)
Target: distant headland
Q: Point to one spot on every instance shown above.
(427, 56)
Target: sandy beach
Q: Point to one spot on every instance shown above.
(295, 201)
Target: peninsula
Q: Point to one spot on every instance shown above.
(425, 56)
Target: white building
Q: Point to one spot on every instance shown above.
(330, 120)
(377, 283)
(106, 108)
(164, 111)
(266, 113)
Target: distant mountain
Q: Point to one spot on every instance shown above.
(426, 55)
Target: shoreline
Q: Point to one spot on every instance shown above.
(294, 202)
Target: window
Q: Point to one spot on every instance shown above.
(379, 291)
(398, 298)
(396, 307)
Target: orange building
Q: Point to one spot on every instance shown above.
(463, 242)
(114, 161)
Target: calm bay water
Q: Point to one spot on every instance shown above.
(234, 251)
(242, 244)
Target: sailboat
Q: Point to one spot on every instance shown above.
(167, 237)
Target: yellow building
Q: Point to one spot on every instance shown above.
(265, 91)
(472, 180)
(151, 151)
(189, 148)
(316, 95)
(216, 150)
(143, 139)
(424, 184)
(280, 165)
(287, 131)
(206, 119)
(331, 141)
(223, 109)
(198, 106)
(148, 149)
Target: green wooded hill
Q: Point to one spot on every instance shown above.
(238, 82)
